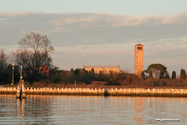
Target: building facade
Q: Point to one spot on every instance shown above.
(138, 59)
(103, 69)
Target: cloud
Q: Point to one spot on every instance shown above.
(97, 19)
(109, 20)
(100, 38)
(15, 14)
(61, 29)
(74, 20)
(9, 49)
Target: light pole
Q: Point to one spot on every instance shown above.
(21, 74)
(12, 74)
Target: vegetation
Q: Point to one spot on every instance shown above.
(35, 49)
(183, 74)
(173, 75)
(4, 74)
(150, 74)
(143, 75)
(6, 70)
(82, 78)
(158, 70)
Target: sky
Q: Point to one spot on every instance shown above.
(100, 32)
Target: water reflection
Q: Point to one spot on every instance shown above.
(20, 107)
(138, 109)
(36, 109)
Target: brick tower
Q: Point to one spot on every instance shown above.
(138, 59)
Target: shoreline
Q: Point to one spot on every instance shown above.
(99, 91)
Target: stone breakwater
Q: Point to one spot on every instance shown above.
(99, 91)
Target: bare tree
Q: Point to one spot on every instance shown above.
(34, 50)
(3, 61)
(4, 72)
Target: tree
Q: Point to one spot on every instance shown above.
(167, 76)
(92, 70)
(72, 71)
(77, 71)
(158, 70)
(34, 50)
(102, 76)
(173, 75)
(183, 74)
(4, 73)
(143, 75)
(150, 74)
(3, 61)
(6, 70)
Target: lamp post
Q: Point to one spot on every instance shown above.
(21, 74)
(12, 74)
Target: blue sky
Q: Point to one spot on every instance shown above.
(100, 32)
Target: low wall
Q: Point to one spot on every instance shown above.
(8, 90)
(99, 91)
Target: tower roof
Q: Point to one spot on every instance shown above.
(139, 44)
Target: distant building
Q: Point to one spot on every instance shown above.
(139, 59)
(103, 69)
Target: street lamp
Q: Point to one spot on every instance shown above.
(21, 74)
(12, 74)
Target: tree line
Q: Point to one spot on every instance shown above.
(34, 53)
(118, 79)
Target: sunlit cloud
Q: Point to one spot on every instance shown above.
(74, 20)
(15, 14)
(61, 29)
(9, 49)
(108, 20)
(100, 38)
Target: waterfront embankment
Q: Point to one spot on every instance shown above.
(99, 91)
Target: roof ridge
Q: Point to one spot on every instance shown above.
(101, 66)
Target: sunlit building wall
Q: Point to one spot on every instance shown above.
(138, 59)
(102, 69)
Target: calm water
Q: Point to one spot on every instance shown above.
(87, 110)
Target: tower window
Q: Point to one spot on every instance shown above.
(139, 48)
